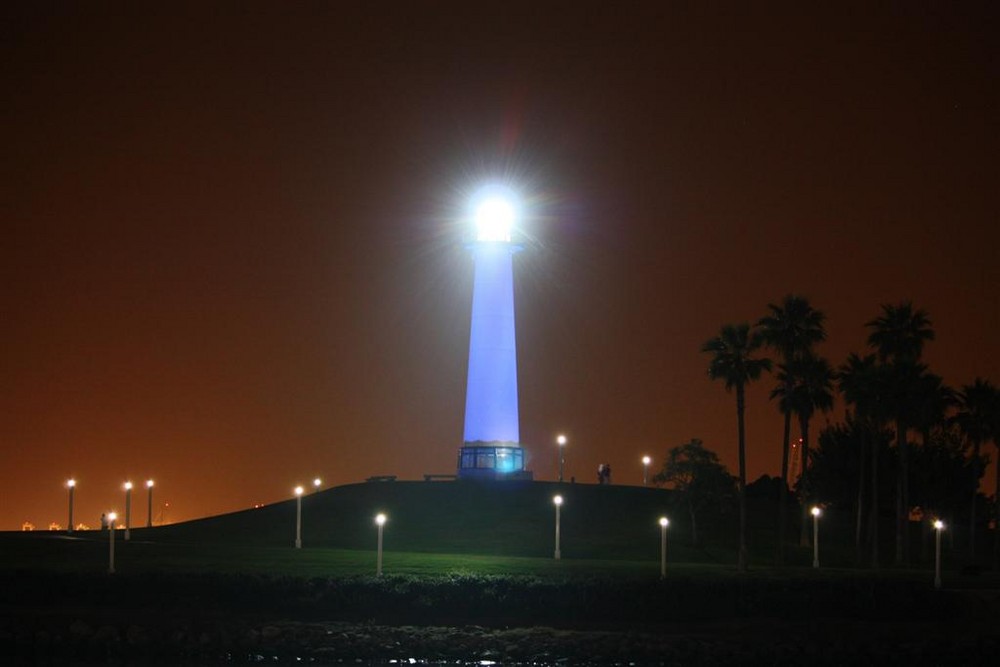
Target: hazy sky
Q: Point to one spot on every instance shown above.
(233, 234)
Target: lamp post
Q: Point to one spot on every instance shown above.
(316, 484)
(380, 522)
(816, 511)
(645, 469)
(664, 522)
(298, 516)
(558, 501)
(561, 441)
(71, 484)
(111, 542)
(128, 511)
(938, 527)
(149, 501)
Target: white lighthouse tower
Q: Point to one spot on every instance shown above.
(491, 448)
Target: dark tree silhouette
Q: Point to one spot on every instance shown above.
(898, 336)
(733, 363)
(790, 328)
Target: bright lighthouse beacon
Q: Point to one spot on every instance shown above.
(491, 448)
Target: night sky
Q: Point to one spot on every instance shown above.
(233, 256)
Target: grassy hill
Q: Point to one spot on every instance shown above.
(490, 518)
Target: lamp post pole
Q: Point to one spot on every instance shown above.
(561, 441)
(664, 522)
(815, 513)
(645, 469)
(380, 522)
(558, 500)
(938, 527)
(111, 542)
(128, 511)
(72, 485)
(298, 517)
(149, 501)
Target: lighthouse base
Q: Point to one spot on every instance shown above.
(499, 461)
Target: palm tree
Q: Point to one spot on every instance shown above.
(813, 391)
(733, 363)
(791, 328)
(898, 336)
(860, 380)
(978, 404)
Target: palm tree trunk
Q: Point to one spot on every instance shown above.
(975, 493)
(902, 496)
(741, 563)
(859, 525)
(996, 512)
(694, 526)
(783, 490)
(804, 539)
(874, 504)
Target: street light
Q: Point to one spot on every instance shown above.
(71, 484)
(111, 542)
(561, 441)
(298, 516)
(149, 499)
(938, 527)
(815, 511)
(316, 484)
(645, 469)
(380, 522)
(664, 522)
(558, 501)
(128, 511)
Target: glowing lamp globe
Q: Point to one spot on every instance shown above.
(938, 525)
(71, 483)
(816, 511)
(111, 518)
(494, 219)
(380, 519)
(149, 483)
(664, 521)
(558, 500)
(128, 486)
(299, 490)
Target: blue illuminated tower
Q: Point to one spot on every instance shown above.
(492, 447)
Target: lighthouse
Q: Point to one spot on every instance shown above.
(491, 443)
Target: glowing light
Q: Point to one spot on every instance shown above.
(111, 517)
(149, 483)
(815, 511)
(71, 483)
(561, 440)
(664, 522)
(558, 500)
(299, 490)
(128, 486)
(939, 525)
(317, 482)
(380, 519)
(494, 219)
(646, 460)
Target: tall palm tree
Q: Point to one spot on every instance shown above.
(790, 328)
(860, 380)
(733, 363)
(813, 391)
(978, 404)
(898, 336)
